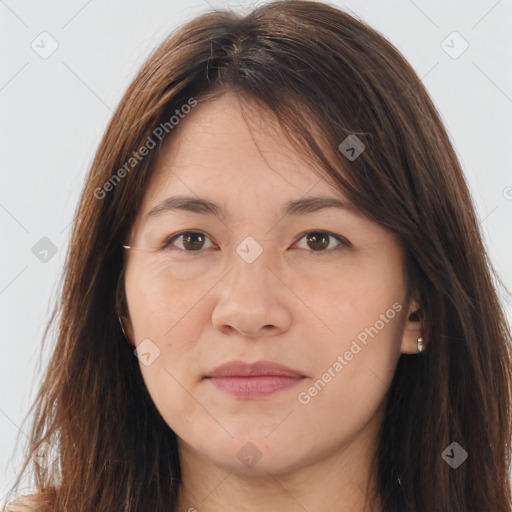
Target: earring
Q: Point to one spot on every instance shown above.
(420, 344)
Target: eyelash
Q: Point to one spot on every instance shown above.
(343, 243)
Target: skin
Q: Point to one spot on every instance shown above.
(292, 305)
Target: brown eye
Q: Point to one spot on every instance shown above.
(319, 241)
(191, 241)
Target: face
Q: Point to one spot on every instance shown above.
(320, 291)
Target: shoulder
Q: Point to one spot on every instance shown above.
(30, 503)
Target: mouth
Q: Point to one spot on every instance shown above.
(261, 378)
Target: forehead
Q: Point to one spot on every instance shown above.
(228, 149)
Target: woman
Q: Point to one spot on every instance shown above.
(277, 227)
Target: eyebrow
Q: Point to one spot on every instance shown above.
(206, 207)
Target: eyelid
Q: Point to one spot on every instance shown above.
(342, 241)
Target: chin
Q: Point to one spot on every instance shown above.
(255, 455)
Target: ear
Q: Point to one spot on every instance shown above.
(128, 330)
(412, 328)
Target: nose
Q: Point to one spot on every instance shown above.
(253, 301)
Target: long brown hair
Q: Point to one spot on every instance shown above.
(326, 75)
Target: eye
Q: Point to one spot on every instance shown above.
(320, 240)
(192, 241)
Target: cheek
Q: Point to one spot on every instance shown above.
(158, 304)
(168, 313)
(348, 385)
(352, 302)
(171, 323)
(353, 355)
(168, 391)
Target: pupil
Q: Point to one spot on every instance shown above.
(314, 236)
(189, 236)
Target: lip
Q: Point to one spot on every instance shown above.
(256, 369)
(261, 378)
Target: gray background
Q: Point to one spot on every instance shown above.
(54, 111)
